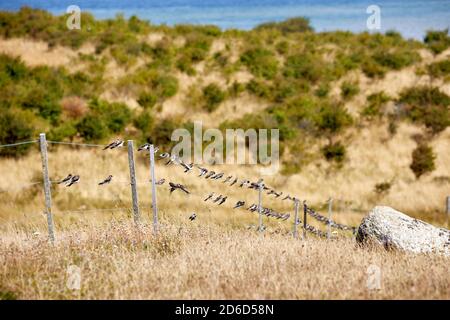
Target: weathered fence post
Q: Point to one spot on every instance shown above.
(260, 189)
(330, 203)
(448, 210)
(47, 191)
(305, 209)
(295, 233)
(134, 194)
(154, 204)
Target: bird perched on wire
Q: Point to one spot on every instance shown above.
(217, 176)
(106, 181)
(173, 159)
(144, 147)
(203, 171)
(187, 167)
(209, 196)
(73, 180)
(114, 144)
(210, 174)
(164, 155)
(244, 182)
(192, 217)
(227, 179)
(239, 204)
(277, 194)
(66, 179)
(234, 181)
(175, 186)
(223, 200)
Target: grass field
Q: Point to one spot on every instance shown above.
(201, 261)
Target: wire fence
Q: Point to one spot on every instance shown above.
(194, 171)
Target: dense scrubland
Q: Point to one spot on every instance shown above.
(363, 118)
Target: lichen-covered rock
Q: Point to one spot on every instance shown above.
(393, 229)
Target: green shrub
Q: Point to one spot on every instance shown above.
(66, 130)
(437, 40)
(11, 68)
(304, 66)
(349, 89)
(397, 59)
(236, 89)
(296, 24)
(15, 126)
(373, 69)
(92, 128)
(144, 122)
(422, 160)
(332, 119)
(427, 105)
(322, 90)
(334, 152)
(115, 116)
(165, 85)
(213, 96)
(375, 103)
(258, 88)
(439, 69)
(147, 99)
(260, 62)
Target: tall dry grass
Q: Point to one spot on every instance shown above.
(202, 261)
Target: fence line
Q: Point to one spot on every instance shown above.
(77, 144)
(17, 143)
(219, 176)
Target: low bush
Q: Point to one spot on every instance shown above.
(374, 106)
(383, 187)
(349, 89)
(422, 160)
(439, 69)
(92, 128)
(334, 152)
(260, 62)
(213, 96)
(147, 99)
(296, 24)
(396, 59)
(304, 66)
(258, 88)
(427, 105)
(437, 40)
(15, 126)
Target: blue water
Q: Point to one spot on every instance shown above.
(410, 17)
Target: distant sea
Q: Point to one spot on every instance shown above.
(409, 17)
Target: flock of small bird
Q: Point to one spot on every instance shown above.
(219, 199)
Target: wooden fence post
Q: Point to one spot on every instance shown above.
(261, 186)
(448, 210)
(295, 233)
(330, 203)
(152, 174)
(305, 209)
(134, 194)
(47, 191)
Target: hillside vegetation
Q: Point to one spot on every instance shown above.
(355, 111)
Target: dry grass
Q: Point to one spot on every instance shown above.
(209, 262)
